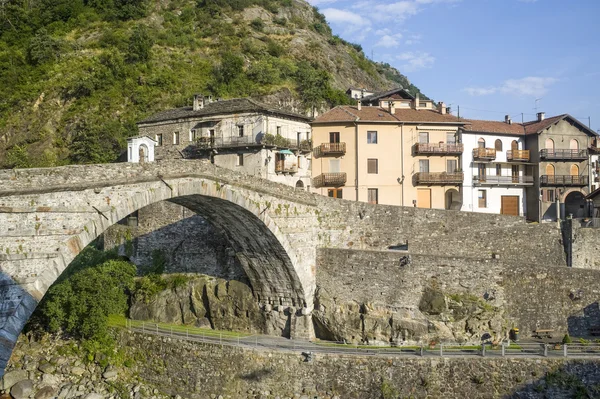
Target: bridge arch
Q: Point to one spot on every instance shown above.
(277, 272)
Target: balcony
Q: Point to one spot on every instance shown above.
(564, 155)
(437, 149)
(330, 149)
(282, 167)
(518, 155)
(438, 178)
(249, 141)
(564, 180)
(503, 180)
(329, 180)
(484, 154)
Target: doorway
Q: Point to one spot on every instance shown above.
(510, 205)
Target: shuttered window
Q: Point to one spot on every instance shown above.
(372, 166)
(373, 196)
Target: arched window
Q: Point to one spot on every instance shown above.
(574, 145)
(514, 145)
(574, 170)
(550, 170)
(481, 142)
(549, 144)
(498, 145)
(299, 184)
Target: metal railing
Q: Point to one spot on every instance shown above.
(442, 178)
(234, 142)
(503, 180)
(281, 167)
(330, 180)
(564, 180)
(515, 350)
(564, 154)
(590, 223)
(438, 149)
(326, 149)
(518, 155)
(484, 153)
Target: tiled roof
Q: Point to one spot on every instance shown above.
(494, 127)
(377, 114)
(388, 93)
(233, 106)
(534, 127)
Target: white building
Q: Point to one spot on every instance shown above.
(140, 149)
(496, 167)
(238, 134)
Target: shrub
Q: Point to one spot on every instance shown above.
(140, 45)
(257, 24)
(567, 339)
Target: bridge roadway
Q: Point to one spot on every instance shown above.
(270, 343)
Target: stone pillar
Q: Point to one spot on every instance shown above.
(302, 325)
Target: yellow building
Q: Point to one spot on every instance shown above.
(394, 154)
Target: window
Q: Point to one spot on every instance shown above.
(159, 140)
(498, 170)
(422, 105)
(424, 166)
(498, 145)
(574, 170)
(240, 159)
(298, 162)
(176, 138)
(574, 145)
(373, 195)
(548, 195)
(371, 137)
(549, 144)
(372, 166)
(450, 138)
(482, 199)
(451, 166)
(550, 170)
(423, 137)
(279, 130)
(515, 173)
(334, 137)
(481, 143)
(192, 135)
(298, 138)
(514, 145)
(240, 130)
(481, 171)
(335, 193)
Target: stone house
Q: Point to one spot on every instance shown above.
(240, 134)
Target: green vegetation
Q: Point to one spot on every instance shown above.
(567, 339)
(75, 75)
(122, 322)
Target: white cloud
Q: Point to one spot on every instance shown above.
(413, 39)
(351, 21)
(534, 86)
(414, 61)
(388, 41)
(319, 2)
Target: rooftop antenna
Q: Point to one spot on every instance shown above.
(536, 104)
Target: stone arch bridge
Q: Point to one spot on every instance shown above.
(47, 216)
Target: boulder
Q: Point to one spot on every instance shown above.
(93, 396)
(110, 375)
(12, 377)
(433, 302)
(22, 389)
(46, 393)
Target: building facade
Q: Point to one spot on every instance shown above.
(497, 167)
(238, 134)
(388, 155)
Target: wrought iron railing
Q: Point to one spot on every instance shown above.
(564, 180)
(518, 155)
(330, 180)
(437, 178)
(503, 180)
(564, 154)
(438, 149)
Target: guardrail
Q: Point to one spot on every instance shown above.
(522, 350)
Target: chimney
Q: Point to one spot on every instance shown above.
(392, 105)
(541, 116)
(359, 105)
(209, 100)
(442, 108)
(417, 100)
(198, 102)
(507, 119)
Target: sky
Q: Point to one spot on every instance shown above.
(490, 57)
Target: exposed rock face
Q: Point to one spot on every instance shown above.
(215, 303)
(439, 318)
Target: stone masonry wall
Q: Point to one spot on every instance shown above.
(586, 248)
(200, 371)
(528, 296)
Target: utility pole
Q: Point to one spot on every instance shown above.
(458, 106)
(522, 118)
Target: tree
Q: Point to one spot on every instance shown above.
(42, 48)
(313, 84)
(140, 45)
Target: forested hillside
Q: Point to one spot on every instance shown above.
(75, 75)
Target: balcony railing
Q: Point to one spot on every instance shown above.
(487, 154)
(329, 180)
(563, 180)
(329, 149)
(248, 141)
(503, 180)
(518, 155)
(438, 149)
(282, 167)
(564, 154)
(439, 178)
